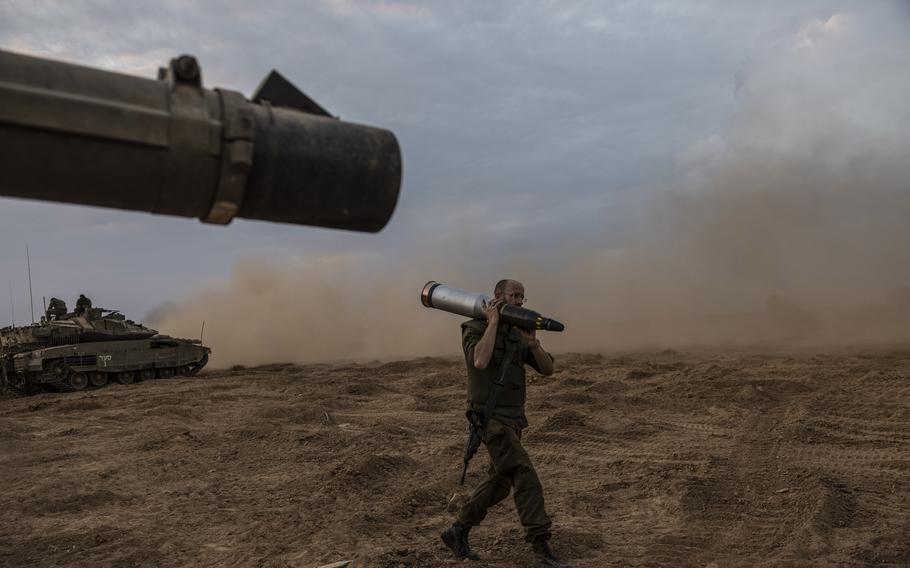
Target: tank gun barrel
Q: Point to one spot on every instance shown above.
(80, 135)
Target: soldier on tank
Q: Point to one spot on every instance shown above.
(83, 305)
(511, 471)
(56, 309)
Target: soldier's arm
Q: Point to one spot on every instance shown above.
(543, 360)
(539, 359)
(483, 351)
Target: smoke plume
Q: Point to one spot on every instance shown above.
(790, 227)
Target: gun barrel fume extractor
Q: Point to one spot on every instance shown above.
(80, 135)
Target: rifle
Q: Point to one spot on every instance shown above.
(480, 420)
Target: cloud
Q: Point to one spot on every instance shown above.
(410, 11)
(815, 32)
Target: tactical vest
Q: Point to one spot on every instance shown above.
(511, 401)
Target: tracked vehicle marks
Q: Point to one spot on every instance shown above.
(712, 459)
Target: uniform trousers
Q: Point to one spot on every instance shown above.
(510, 470)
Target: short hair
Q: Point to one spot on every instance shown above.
(501, 285)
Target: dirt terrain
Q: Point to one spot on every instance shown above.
(651, 459)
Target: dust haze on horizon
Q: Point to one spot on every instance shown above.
(787, 228)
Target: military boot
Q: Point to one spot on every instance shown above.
(456, 538)
(543, 556)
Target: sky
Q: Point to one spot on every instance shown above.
(611, 154)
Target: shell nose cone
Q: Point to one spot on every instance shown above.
(553, 325)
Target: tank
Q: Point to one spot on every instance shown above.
(89, 348)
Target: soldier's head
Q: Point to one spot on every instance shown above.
(512, 291)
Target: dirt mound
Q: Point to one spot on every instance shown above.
(650, 459)
(370, 471)
(564, 420)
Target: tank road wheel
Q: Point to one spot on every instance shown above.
(165, 373)
(97, 379)
(77, 381)
(146, 374)
(185, 370)
(125, 377)
(59, 370)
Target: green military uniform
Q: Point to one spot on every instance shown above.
(510, 465)
(56, 308)
(83, 304)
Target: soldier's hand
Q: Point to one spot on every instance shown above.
(491, 310)
(529, 337)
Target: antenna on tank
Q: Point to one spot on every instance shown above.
(202, 331)
(31, 300)
(12, 312)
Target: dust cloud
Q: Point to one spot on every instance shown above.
(788, 228)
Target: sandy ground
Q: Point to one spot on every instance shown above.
(653, 459)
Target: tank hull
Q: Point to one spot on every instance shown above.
(95, 364)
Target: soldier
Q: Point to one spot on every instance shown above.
(56, 308)
(83, 305)
(484, 344)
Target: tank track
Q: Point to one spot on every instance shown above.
(24, 389)
(60, 384)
